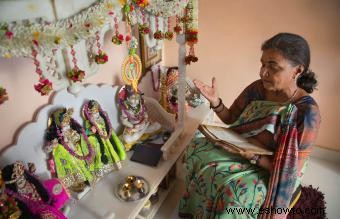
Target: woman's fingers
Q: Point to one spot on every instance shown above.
(199, 84)
(213, 83)
(206, 90)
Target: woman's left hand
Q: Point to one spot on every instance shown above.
(244, 154)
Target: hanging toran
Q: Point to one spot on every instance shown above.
(39, 40)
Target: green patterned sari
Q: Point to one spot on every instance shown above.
(220, 184)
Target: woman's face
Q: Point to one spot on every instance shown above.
(277, 73)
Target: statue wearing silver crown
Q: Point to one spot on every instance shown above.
(109, 150)
(134, 117)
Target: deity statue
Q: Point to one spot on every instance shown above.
(169, 92)
(109, 150)
(70, 151)
(32, 198)
(134, 117)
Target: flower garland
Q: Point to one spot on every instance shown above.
(191, 29)
(166, 8)
(149, 39)
(101, 57)
(93, 123)
(75, 74)
(17, 39)
(168, 34)
(44, 87)
(89, 157)
(3, 95)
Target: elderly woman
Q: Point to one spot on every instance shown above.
(275, 112)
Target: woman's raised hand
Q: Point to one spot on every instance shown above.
(208, 92)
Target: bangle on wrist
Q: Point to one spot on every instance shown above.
(218, 105)
(219, 110)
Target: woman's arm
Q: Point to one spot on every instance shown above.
(211, 93)
(226, 115)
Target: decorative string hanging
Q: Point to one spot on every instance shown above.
(75, 74)
(17, 39)
(144, 27)
(3, 95)
(44, 87)
(101, 57)
(177, 28)
(168, 34)
(190, 20)
(117, 37)
(158, 35)
(132, 65)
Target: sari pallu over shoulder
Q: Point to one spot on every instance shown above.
(291, 138)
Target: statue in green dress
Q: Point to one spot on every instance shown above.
(70, 151)
(109, 150)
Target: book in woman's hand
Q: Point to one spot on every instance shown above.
(230, 140)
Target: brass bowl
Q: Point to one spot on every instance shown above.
(132, 189)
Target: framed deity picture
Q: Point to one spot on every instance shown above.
(149, 56)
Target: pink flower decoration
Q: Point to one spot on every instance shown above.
(9, 35)
(35, 42)
(44, 87)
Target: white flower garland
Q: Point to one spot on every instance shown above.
(166, 8)
(193, 14)
(59, 34)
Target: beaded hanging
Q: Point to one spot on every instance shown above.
(144, 27)
(177, 28)
(44, 87)
(168, 34)
(75, 74)
(191, 30)
(3, 95)
(158, 35)
(117, 37)
(101, 57)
